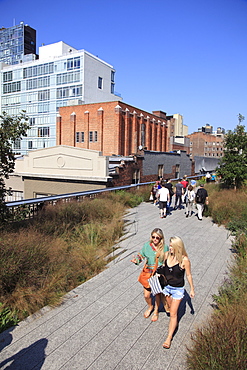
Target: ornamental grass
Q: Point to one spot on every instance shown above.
(62, 247)
(221, 343)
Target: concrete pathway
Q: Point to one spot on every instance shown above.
(100, 325)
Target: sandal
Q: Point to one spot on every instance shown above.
(167, 345)
(155, 317)
(147, 313)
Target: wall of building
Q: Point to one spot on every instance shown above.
(207, 145)
(120, 128)
(59, 170)
(169, 161)
(35, 187)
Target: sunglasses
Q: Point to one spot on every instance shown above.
(155, 237)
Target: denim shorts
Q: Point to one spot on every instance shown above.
(176, 293)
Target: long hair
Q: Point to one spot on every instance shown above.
(178, 248)
(160, 246)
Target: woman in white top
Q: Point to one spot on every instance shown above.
(189, 200)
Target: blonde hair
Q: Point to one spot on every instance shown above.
(178, 248)
(160, 246)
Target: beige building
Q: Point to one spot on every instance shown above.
(58, 170)
(179, 128)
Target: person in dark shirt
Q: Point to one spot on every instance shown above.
(201, 199)
(178, 195)
(176, 264)
(169, 186)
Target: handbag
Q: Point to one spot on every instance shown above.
(146, 274)
(151, 197)
(157, 282)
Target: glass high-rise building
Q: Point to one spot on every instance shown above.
(17, 43)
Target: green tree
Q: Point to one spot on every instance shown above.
(233, 166)
(12, 128)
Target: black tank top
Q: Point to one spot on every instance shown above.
(174, 275)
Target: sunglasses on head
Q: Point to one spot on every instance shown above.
(155, 237)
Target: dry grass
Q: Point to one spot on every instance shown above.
(222, 342)
(64, 246)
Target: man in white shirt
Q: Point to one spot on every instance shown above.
(164, 197)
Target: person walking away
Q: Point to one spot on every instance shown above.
(154, 191)
(178, 195)
(201, 199)
(190, 199)
(185, 184)
(152, 251)
(169, 186)
(208, 177)
(163, 197)
(176, 264)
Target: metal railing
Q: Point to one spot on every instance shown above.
(28, 208)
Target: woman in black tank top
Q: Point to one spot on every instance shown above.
(176, 264)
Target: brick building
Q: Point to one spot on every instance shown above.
(114, 128)
(206, 145)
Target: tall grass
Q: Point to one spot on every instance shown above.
(62, 247)
(222, 342)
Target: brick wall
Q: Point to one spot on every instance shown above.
(121, 128)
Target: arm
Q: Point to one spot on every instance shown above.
(187, 266)
(137, 259)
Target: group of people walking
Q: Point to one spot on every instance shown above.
(176, 264)
(162, 193)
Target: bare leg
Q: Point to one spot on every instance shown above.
(174, 304)
(156, 307)
(148, 299)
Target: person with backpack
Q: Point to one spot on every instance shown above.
(201, 199)
(190, 198)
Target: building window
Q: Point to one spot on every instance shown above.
(7, 76)
(112, 88)
(32, 121)
(82, 137)
(73, 63)
(17, 144)
(143, 134)
(77, 139)
(136, 176)
(160, 170)
(177, 170)
(91, 136)
(112, 76)
(100, 82)
(43, 95)
(43, 131)
(30, 145)
(95, 136)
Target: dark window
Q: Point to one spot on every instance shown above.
(100, 82)
(77, 139)
(91, 136)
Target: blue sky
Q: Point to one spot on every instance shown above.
(187, 57)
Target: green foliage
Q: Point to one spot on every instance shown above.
(12, 128)
(7, 318)
(233, 166)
